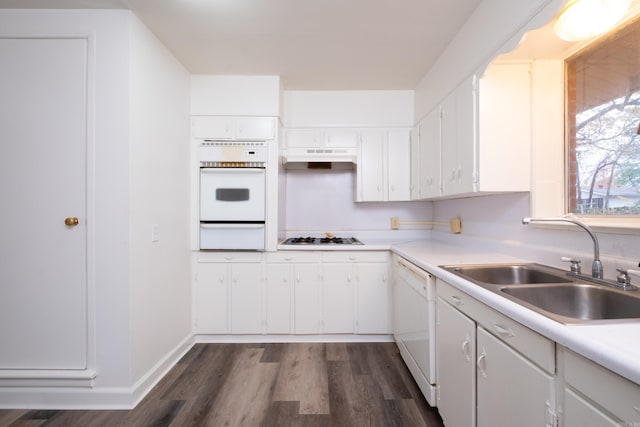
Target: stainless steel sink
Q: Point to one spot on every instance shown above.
(577, 301)
(510, 274)
(552, 292)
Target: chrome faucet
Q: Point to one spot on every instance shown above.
(596, 267)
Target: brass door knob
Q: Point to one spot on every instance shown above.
(71, 221)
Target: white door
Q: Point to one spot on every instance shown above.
(43, 151)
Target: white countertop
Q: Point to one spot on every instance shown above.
(612, 344)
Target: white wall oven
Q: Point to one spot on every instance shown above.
(232, 195)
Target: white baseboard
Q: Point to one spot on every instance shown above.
(208, 338)
(96, 397)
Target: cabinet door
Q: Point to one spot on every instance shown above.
(502, 400)
(371, 168)
(580, 413)
(398, 155)
(304, 138)
(459, 139)
(246, 298)
(372, 298)
(255, 128)
(455, 366)
(430, 180)
(278, 299)
(211, 299)
(307, 298)
(338, 298)
(415, 163)
(212, 127)
(341, 138)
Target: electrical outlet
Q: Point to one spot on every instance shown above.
(155, 230)
(395, 223)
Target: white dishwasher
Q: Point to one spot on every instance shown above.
(414, 295)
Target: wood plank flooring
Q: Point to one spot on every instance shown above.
(300, 384)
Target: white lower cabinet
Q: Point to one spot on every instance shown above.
(308, 298)
(211, 299)
(278, 297)
(513, 367)
(595, 396)
(292, 292)
(356, 292)
(373, 301)
(247, 287)
(228, 293)
(579, 412)
(338, 296)
(455, 365)
(293, 303)
(511, 390)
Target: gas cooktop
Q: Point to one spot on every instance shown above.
(322, 241)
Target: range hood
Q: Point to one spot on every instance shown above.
(319, 158)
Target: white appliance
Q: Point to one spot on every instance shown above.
(232, 195)
(415, 323)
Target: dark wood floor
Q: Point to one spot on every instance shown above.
(302, 384)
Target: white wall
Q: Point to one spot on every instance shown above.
(226, 95)
(348, 108)
(495, 222)
(139, 304)
(319, 202)
(160, 296)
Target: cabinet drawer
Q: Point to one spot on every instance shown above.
(612, 392)
(294, 256)
(230, 257)
(355, 256)
(537, 348)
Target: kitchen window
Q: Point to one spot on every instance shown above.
(603, 126)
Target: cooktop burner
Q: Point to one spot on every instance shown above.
(322, 241)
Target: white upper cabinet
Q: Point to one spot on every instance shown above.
(370, 169)
(486, 133)
(234, 128)
(459, 142)
(504, 128)
(398, 164)
(428, 157)
(383, 166)
(321, 137)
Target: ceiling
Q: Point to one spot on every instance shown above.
(311, 45)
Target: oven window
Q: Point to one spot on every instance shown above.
(232, 194)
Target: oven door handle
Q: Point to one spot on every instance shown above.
(231, 170)
(213, 226)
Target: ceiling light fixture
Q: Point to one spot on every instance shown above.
(581, 19)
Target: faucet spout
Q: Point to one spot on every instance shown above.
(596, 267)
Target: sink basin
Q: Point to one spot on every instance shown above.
(577, 301)
(509, 274)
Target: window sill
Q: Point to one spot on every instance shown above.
(628, 225)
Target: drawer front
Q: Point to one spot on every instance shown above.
(537, 348)
(294, 256)
(355, 256)
(612, 392)
(230, 256)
